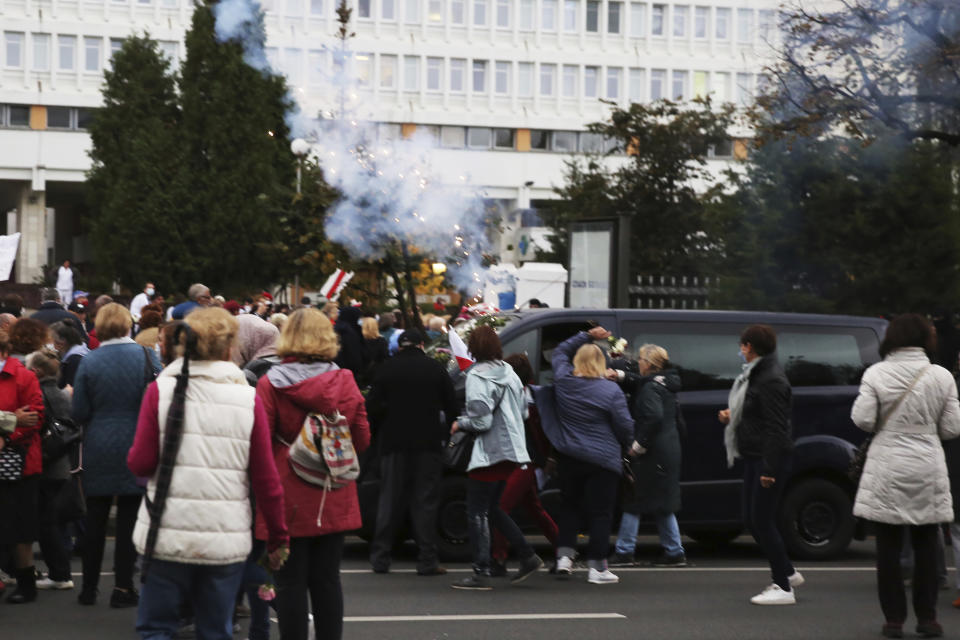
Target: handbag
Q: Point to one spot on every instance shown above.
(859, 460)
(71, 502)
(628, 480)
(456, 455)
(12, 459)
(58, 436)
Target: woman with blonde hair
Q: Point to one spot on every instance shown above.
(587, 421)
(308, 381)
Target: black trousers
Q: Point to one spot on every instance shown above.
(483, 510)
(313, 569)
(893, 599)
(760, 516)
(98, 511)
(409, 483)
(591, 491)
(50, 535)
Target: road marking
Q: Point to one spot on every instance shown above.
(648, 569)
(485, 617)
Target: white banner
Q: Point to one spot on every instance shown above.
(8, 253)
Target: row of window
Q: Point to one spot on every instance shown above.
(637, 19)
(46, 52)
(66, 118)
(390, 72)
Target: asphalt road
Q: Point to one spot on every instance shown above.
(708, 600)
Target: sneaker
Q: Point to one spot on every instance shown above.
(929, 629)
(7, 579)
(564, 566)
(602, 577)
(123, 598)
(473, 583)
(87, 597)
(796, 579)
(527, 567)
(47, 583)
(498, 569)
(891, 630)
(774, 595)
(670, 561)
(621, 560)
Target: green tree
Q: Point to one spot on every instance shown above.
(135, 221)
(662, 183)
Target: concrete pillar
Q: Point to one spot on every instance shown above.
(32, 224)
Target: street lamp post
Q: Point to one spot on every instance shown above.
(300, 148)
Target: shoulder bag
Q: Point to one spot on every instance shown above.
(459, 448)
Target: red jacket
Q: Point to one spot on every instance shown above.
(19, 388)
(286, 406)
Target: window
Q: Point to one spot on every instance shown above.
(638, 16)
(430, 132)
(548, 15)
(570, 10)
(170, 4)
(411, 73)
(614, 78)
(679, 85)
(363, 8)
(458, 68)
(593, 16)
(721, 149)
(539, 139)
(453, 137)
(411, 11)
(435, 11)
(14, 49)
(115, 45)
(91, 54)
(59, 117)
(812, 356)
(292, 66)
(590, 81)
(722, 28)
(67, 46)
(564, 141)
(295, 7)
(526, 15)
(570, 73)
(700, 353)
(525, 79)
(503, 138)
(434, 74)
(364, 68)
(614, 12)
(479, 13)
(700, 84)
(479, 76)
(767, 25)
(170, 50)
(388, 71)
(273, 57)
(388, 10)
(548, 79)
(458, 12)
(316, 61)
(656, 22)
(84, 117)
(502, 80)
(744, 89)
(744, 25)
(478, 138)
(658, 84)
(18, 115)
(681, 14)
(720, 87)
(591, 142)
(701, 17)
(637, 81)
(503, 14)
(41, 51)
(316, 7)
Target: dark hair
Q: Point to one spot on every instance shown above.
(484, 344)
(909, 330)
(170, 346)
(28, 335)
(66, 332)
(13, 304)
(521, 366)
(761, 337)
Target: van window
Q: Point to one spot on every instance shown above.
(705, 355)
(525, 343)
(825, 356)
(551, 336)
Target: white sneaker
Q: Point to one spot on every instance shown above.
(7, 579)
(47, 583)
(796, 579)
(564, 566)
(602, 577)
(774, 595)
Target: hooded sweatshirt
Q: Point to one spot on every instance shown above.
(289, 391)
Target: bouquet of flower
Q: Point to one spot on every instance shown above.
(618, 346)
(268, 591)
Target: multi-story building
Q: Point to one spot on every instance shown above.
(505, 87)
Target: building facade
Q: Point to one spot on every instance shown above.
(503, 87)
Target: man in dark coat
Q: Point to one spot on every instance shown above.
(353, 353)
(412, 398)
(51, 311)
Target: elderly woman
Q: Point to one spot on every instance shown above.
(106, 400)
(589, 425)
(69, 344)
(909, 405)
(308, 381)
(256, 349)
(213, 454)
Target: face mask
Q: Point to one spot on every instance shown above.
(156, 350)
(247, 308)
(743, 356)
(150, 291)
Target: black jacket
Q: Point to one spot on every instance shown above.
(353, 353)
(765, 430)
(51, 312)
(410, 391)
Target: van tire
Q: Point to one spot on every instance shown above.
(453, 543)
(816, 519)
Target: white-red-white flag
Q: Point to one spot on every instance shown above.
(335, 283)
(459, 350)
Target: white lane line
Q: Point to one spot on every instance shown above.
(651, 570)
(482, 617)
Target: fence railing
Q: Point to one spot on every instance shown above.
(672, 292)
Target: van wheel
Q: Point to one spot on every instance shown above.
(453, 543)
(816, 519)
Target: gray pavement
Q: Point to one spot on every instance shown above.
(708, 600)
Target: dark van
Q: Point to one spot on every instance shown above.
(823, 357)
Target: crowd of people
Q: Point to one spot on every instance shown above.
(193, 418)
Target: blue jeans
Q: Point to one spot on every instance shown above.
(255, 575)
(210, 589)
(483, 510)
(666, 526)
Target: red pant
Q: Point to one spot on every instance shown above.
(521, 489)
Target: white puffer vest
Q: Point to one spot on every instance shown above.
(207, 519)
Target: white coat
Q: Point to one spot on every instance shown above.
(905, 477)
